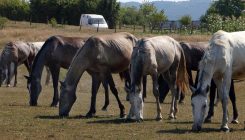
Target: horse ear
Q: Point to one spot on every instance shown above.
(193, 90)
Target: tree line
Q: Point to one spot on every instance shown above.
(222, 14)
(64, 11)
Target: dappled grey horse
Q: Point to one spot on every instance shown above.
(154, 56)
(14, 54)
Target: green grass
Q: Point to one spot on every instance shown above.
(20, 121)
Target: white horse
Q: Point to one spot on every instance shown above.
(225, 60)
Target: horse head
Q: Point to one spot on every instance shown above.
(199, 106)
(34, 87)
(66, 101)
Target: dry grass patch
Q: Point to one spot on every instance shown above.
(20, 121)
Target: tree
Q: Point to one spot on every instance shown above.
(110, 10)
(229, 8)
(185, 20)
(147, 9)
(157, 18)
(226, 8)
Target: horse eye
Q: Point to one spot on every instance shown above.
(204, 106)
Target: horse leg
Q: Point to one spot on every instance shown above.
(156, 94)
(163, 88)
(47, 76)
(8, 75)
(55, 70)
(28, 67)
(144, 86)
(223, 89)
(105, 85)
(233, 101)
(15, 74)
(211, 102)
(196, 79)
(95, 86)
(115, 93)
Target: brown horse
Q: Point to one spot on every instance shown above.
(16, 53)
(58, 51)
(100, 56)
(155, 56)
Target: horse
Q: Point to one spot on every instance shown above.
(194, 52)
(224, 60)
(16, 53)
(154, 56)
(100, 56)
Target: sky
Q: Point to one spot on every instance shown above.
(149, 0)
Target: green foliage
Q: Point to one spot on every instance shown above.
(130, 16)
(229, 8)
(185, 20)
(53, 22)
(225, 15)
(110, 10)
(3, 21)
(15, 9)
(214, 22)
(157, 18)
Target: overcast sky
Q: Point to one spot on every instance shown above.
(149, 0)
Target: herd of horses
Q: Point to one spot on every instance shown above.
(169, 63)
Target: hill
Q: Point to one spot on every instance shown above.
(175, 10)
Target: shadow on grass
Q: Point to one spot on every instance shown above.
(118, 121)
(70, 117)
(189, 131)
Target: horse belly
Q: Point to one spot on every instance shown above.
(238, 73)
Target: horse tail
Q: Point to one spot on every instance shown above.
(182, 76)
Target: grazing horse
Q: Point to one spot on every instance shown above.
(194, 52)
(224, 60)
(154, 56)
(15, 54)
(100, 56)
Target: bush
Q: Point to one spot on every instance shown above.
(3, 21)
(53, 22)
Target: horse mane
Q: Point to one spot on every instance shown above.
(40, 52)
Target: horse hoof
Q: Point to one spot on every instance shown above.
(158, 119)
(235, 121)
(207, 120)
(8, 85)
(104, 109)
(90, 115)
(139, 120)
(122, 115)
(54, 105)
(171, 117)
(224, 129)
(181, 102)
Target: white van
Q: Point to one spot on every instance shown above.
(93, 20)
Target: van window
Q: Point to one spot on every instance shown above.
(95, 21)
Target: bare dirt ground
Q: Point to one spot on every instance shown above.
(20, 121)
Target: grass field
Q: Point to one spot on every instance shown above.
(20, 121)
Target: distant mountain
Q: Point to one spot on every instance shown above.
(175, 10)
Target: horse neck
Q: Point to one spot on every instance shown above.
(205, 75)
(38, 65)
(78, 65)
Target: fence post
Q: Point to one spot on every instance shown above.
(30, 20)
(98, 26)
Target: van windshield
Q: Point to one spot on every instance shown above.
(96, 21)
